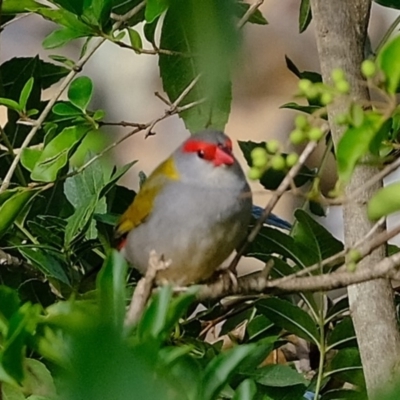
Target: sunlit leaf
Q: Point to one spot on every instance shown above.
(389, 62)
(384, 202)
(80, 92)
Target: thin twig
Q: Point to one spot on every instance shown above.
(363, 251)
(273, 200)
(149, 51)
(125, 17)
(67, 80)
(64, 84)
(252, 9)
(143, 290)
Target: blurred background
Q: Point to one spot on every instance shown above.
(125, 83)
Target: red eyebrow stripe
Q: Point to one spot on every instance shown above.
(192, 146)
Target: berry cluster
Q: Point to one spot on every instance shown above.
(270, 156)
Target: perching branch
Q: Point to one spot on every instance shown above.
(259, 283)
(144, 288)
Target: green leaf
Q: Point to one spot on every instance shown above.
(256, 18)
(100, 9)
(111, 289)
(355, 143)
(48, 72)
(9, 304)
(289, 317)
(347, 394)
(271, 178)
(337, 309)
(312, 76)
(80, 92)
(272, 241)
(219, 371)
(22, 326)
(135, 39)
(388, 61)
(384, 202)
(60, 38)
(343, 335)
(154, 8)
(258, 326)
(149, 31)
(66, 109)
(153, 321)
(13, 206)
(305, 15)
(10, 104)
(205, 32)
(38, 379)
(278, 376)
(11, 392)
(346, 367)
(78, 222)
(83, 191)
(67, 19)
(30, 157)
(74, 6)
(49, 264)
(298, 107)
(19, 6)
(25, 93)
(246, 390)
(389, 3)
(55, 155)
(121, 7)
(315, 240)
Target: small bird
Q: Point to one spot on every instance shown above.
(194, 210)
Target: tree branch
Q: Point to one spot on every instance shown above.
(259, 283)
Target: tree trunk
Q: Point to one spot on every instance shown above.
(341, 30)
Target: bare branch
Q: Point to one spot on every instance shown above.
(258, 283)
(143, 290)
(67, 80)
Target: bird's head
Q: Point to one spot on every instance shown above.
(207, 157)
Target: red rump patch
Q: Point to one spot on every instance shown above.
(217, 154)
(121, 243)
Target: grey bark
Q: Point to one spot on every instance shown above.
(341, 31)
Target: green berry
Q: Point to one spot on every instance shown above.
(326, 98)
(301, 122)
(343, 87)
(351, 266)
(297, 136)
(259, 157)
(354, 256)
(292, 159)
(278, 163)
(368, 68)
(273, 146)
(342, 119)
(315, 134)
(338, 75)
(304, 85)
(254, 174)
(313, 92)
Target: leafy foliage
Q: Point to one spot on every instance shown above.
(62, 325)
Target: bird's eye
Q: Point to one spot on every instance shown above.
(200, 153)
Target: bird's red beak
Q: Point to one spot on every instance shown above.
(223, 156)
